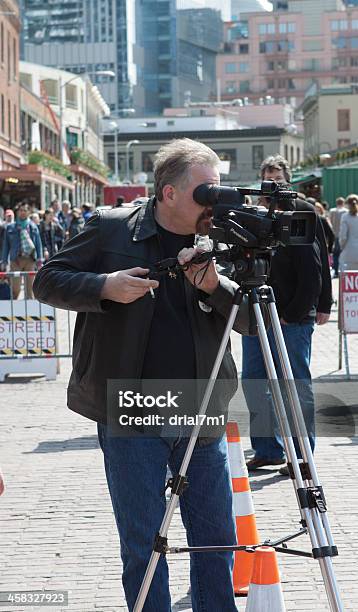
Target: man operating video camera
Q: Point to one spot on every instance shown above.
(123, 333)
(301, 281)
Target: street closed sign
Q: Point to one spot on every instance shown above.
(349, 301)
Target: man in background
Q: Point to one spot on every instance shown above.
(335, 216)
(300, 278)
(22, 246)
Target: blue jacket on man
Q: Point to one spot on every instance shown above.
(12, 242)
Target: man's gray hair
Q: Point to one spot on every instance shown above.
(173, 162)
(276, 162)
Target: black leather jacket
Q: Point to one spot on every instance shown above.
(110, 338)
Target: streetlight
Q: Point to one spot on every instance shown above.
(128, 146)
(115, 126)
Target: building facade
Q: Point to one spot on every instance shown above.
(76, 109)
(179, 42)
(85, 36)
(10, 147)
(330, 116)
(282, 53)
(244, 148)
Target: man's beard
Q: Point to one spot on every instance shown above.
(204, 222)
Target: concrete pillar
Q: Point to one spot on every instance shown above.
(43, 194)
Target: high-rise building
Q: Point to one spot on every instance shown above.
(281, 53)
(240, 7)
(85, 36)
(180, 40)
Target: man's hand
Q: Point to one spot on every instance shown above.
(195, 272)
(126, 286)
(322, 318)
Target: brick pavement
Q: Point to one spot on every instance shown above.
(56, 524)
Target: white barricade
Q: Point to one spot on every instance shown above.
(29, 333)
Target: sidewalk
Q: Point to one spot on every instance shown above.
(57, 530)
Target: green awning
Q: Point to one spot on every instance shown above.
(304, 178)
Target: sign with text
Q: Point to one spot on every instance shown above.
(348, 291)
(27, 328)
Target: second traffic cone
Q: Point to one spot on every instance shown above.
(246, 530)
(265, 593)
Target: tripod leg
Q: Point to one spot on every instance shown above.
(160, 544)
(318, 525)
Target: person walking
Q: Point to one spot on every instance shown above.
(335, 215)
(22, 245)
(51, 234)
(77, 223)
(348, 235)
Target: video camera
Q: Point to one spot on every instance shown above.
(256, 227)
(251, 233)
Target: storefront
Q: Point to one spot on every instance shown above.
(35, 184)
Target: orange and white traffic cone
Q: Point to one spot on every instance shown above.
(246, 530)
(265, 593)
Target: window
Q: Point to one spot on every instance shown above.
(343, 119)
(148, 162)
(312, 45)
(285, 28)
(270, 83)
(354, 43)
(270, 66)
(15, 122)
(243, 49)
(2, 43)
(339, 62)
(340, 24)
(298, 155)
(266, 28)
(243, 67)
(339, 43)
(26, 79)
(71, 96)
(291, 84)
(9, 119)
(244, 86)
(282, 84)
(51, 89)
(14, 53)
(3, 113)
(8, 58)
(257, 156)
(311, 64)
(230, 67)
(354, 24)
(343, 142)
(354, 61)
(230, 87)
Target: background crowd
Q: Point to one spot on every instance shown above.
(29, 237)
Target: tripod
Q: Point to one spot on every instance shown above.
(309, 492)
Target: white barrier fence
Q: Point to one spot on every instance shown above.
(29, 336)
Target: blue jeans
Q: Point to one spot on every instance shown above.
(265, 437)
(136, 472)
